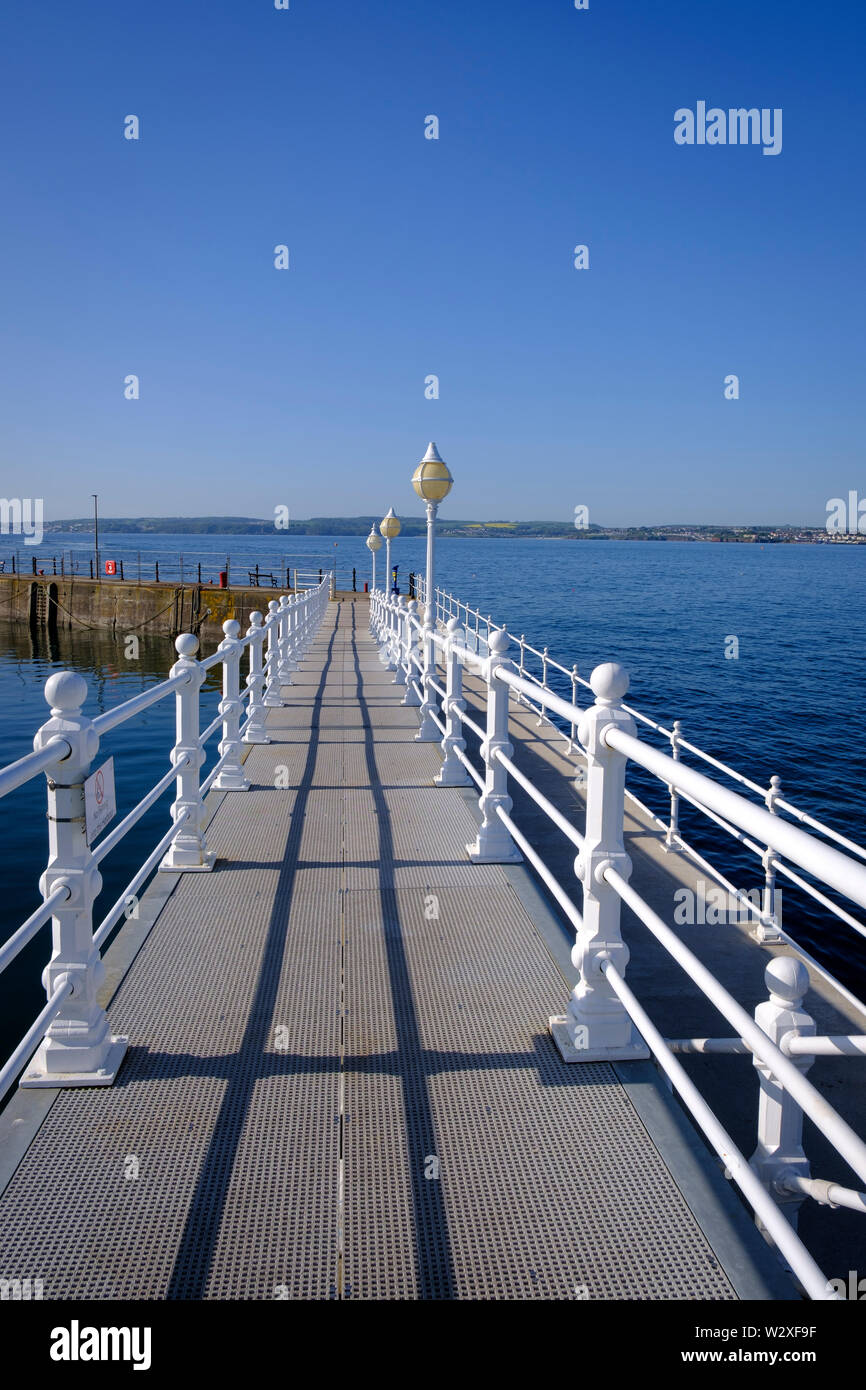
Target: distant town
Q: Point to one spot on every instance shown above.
(416, 526)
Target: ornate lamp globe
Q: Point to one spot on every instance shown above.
(431, 480)
(374, 541)
(390, 525)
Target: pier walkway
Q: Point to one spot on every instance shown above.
(339, 1082)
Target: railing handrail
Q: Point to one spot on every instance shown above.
(72, 871)
(660, 729)
(128, 709)
(14, 775)
(836, 870)
(780, 1031)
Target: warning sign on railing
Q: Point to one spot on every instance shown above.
(100, 806)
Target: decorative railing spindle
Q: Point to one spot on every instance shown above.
(256, 730)
(493, 844)
(596, 1025)
(78, 1048)
(188, 851)
(231, 776)
(273, 698)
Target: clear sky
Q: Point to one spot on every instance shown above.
(408, 257)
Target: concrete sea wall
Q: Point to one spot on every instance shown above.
(122, 606)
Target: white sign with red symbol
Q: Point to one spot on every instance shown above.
(100, 806)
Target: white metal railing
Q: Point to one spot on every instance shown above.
(538, 695)
(604, 1019)
(76, 1046)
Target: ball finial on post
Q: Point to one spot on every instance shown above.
(65, 692)
(609, 682)
(787, 980)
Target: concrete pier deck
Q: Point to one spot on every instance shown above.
(340, 1082)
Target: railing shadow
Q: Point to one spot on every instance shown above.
(201, 1231)
(434, 1264)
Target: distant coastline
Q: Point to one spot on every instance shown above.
(416, 526)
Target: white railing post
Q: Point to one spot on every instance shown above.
(544, 656)
(493, 844)
(407, 669)
(231, 776)
(402, 638)
(393, 639)
(573, 729)
(394, 633)
(288, 606)
(768, 931)
(283, 667)
(297, 630)
(384, 634)
(428, 731)
(596, 1025)
(256, 729)
(273, 698)
(780, 1153)
(311, 603)
(188, 851)
(78, 1048)
(670, 841)
(452, 772)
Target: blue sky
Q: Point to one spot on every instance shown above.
(409, 256)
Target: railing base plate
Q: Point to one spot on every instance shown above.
(204, 868)
(512, 856)
(636, 1051)
(37, 1078)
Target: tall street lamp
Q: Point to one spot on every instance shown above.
(432, 482)
(95, 496)
(374, 543)
(390, 527)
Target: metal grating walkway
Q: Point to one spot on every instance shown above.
(340, 1083)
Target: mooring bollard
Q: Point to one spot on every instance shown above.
(596, 1025)
(78, 1049)
(188, 851)
(256, 730)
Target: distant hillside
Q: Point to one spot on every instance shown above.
(314, 526)
(416, 526)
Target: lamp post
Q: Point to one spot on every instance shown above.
(432, 482)
(95, 497)
(374, 543)
(390, 527)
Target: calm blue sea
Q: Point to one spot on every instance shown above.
(791, 703)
